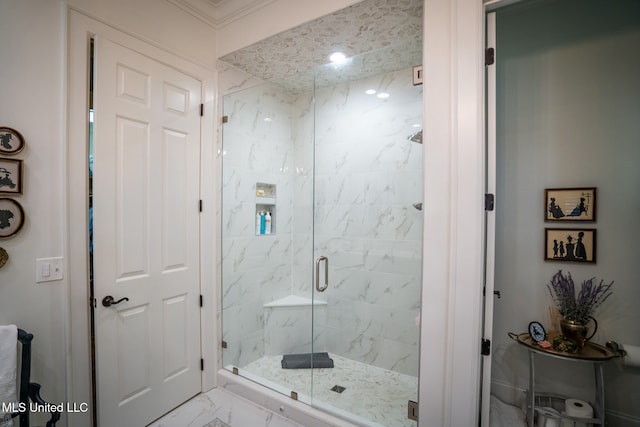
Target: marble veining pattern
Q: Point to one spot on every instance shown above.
(220, 408)
(377, 395)
(367, 176)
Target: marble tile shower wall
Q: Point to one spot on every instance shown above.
(255, 269)
(367, 176)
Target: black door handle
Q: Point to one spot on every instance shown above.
(108, 301)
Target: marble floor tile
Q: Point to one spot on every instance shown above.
(364, 393)
(355, 391)
(220, 408)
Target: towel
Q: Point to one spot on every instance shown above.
(306, 360)
(8, 364)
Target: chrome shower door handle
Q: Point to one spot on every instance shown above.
(326, 273)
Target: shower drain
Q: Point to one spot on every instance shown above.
(338, 388)
(217, 423)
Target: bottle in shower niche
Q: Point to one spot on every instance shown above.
(267, 225)
(258, 222)
(263, 222)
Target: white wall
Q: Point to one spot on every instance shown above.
(32, 34)
(159, 23)
(568, 108)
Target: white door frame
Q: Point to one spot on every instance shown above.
(453, 263)
(454, 176)
(81, 28)
(490, 224)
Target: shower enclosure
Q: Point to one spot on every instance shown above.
(322, 236)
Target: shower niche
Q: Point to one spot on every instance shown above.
(265, 209)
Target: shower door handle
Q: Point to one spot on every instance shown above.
(326, 273)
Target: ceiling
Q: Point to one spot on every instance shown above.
(389, 29)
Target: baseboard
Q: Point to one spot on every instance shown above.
(617, 419)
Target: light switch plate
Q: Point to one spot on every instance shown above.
(49, 269)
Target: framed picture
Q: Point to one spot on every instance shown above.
(570, 244)
(11, 142)
(570, 204)
(10, 176)
(11, 217)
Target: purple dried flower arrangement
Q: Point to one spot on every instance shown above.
(590, 297)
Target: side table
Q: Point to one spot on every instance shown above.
(590, 353)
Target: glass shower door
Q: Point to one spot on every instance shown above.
(367, 240)
(267, 233)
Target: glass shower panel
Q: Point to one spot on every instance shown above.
(267, 202)
(368, 223)
(322, 186)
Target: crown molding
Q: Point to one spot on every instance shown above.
(219, 13)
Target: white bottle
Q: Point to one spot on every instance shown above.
(267, 227)
(258, 222)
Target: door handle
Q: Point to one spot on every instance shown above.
(326, 273)
(108, 301)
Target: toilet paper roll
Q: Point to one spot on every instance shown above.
(578, 408)
(633, 355)
(545, 419)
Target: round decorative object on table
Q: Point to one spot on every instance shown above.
(4, 257)
(537, 332)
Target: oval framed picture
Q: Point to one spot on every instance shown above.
(11, 217)
(11, 141)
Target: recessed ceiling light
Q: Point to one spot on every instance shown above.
(383, 95)
(337, 57)
(370, 92)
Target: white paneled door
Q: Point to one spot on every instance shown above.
(146, 236)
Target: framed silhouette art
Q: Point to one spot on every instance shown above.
(570, 244)
(570, 204)
(11, 141)
(10, 176)
(11, 217)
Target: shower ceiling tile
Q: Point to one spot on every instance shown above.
(392, 27)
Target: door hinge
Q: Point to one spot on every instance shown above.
(201, 300)
(225, 119)
(489, 56)
(489, 202)
(202, 364)
(417, 75)
(486, 347)
(224, 344)
(412, 410)
(201, 110)
(200, 205)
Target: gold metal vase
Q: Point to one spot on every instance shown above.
(577, 331)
